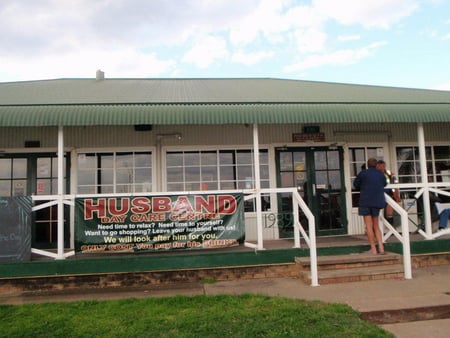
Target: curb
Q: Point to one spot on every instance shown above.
(407, 315)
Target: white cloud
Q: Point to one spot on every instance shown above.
(251, 58)
(443, 86)
(310, 40)
(115, 63)
(349, 38)
(206, 50)
(337, 58)
(303, 16)
(271, 20)
(368, 13)
(138, 38)
(264, 18)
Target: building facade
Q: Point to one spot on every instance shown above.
(137, 136)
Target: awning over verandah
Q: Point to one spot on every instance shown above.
(82, 102)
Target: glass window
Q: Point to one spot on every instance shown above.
(215, 170)
(44, 167)
(13, 177)
(19, 168)
(437, 161)
(358, 157)
(35, 174)
(5, 188)
(5, 168)
(115, 172)
(47, 175)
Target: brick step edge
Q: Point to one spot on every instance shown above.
(148, 279)
(349, 259)
(407, 315)
(356, 274)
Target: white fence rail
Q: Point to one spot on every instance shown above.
(297, 203)
(299, 229)
(403, 237)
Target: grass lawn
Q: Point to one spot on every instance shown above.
(182, 316)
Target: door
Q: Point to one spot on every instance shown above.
(44, 181)
(35, 174)
(317, 174)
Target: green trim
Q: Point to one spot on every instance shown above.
(313, 201)
(139, 263)
(161, 262)
(81, 102)
(215, 114)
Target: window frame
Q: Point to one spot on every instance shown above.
(355, 167)
(146, 186)
(434, 175)
(239, 182)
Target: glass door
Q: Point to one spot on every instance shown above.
(13, 176)
(35, 174)
(44, 181)
(317, 174)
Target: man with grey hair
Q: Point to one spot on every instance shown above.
(371, 183)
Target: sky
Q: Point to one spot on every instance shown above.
(399, 43)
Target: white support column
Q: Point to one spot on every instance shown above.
(424, 177)
(60, 253)
(259, 223)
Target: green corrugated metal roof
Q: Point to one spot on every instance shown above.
(70, 102)
(165, 114)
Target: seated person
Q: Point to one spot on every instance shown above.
(444, 215)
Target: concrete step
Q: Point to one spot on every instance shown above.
(352, 268)
(359, 274)
(349, 261)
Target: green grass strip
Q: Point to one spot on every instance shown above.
(181, 316)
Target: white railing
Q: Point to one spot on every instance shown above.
(423, 192)
(428, 233)
(51, 200)
(403, 237)
(425, 188)
(297, 203)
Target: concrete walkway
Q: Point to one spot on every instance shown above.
(430, 287)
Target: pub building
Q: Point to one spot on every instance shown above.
(134, 164)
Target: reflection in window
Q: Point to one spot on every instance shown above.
(32, 175)
(13, 177)
(358, 157)
(115, 172)
(215, 170)
(437, 162)
(47, 175)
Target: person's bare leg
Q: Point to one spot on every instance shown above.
(389, 213)
(378, 234)
(370, 234)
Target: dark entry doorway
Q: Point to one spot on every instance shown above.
(29, 174)
(317, 173)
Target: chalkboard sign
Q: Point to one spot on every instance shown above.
(15, 228)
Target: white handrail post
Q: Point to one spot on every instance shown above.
(404, 238)
(313, 252)
(424, 177)
(60, 253)
(406, 245)
(259, 223)
(312, 237)
(295, 219)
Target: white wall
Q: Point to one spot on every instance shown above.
(198, 136)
